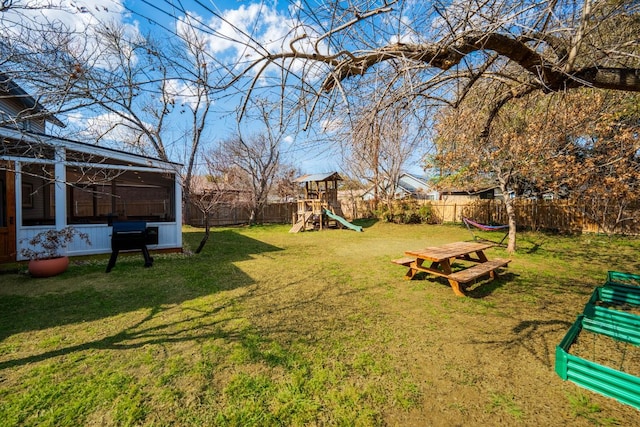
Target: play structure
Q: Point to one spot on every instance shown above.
(471, 223)
(613, 311)
(319, 207)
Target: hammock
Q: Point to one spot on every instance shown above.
(484, 227)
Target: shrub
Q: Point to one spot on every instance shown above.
(49, 243)
(407, 211)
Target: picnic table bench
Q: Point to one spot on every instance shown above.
(403, 261)
(441, 258)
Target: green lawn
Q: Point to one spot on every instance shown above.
(267, 328)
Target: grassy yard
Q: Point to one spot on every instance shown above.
(267, 328)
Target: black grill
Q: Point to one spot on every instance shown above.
(132, 235)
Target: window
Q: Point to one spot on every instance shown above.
(38, 200)
(3, 199)
(97, 196)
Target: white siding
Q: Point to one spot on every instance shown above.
(100, 238)
(13, 108)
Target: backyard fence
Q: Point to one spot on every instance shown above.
(233, 214)
(552, 215)
(567, 216)
(556, 215)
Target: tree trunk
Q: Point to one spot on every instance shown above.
(186, 210)
(511, 215)
(207, 233)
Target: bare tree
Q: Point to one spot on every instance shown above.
(134, 92)
(441, 49)
(254, 160)
(207, 197)
(159, 88)
(40, 52)
(285, 187)
(381, 144)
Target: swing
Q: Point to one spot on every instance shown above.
(469, 222)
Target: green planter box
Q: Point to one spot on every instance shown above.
(605, 314)
(611, 311)
(593, 376)
(619, 278)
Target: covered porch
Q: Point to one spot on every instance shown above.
(49, 182)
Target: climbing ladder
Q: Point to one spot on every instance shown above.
(302, 223)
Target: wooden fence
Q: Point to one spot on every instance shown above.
(278, 213)
(555, 215)
(530, 214)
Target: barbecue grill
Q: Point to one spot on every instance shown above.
(132, 235)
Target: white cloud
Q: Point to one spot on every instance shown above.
(333, 124)
(111, 129)
(182, 92)
(237, 27)
(247, 33)
(74, 15)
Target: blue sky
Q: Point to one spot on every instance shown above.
(300, 151)
(265, 20)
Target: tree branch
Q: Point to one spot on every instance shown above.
(548, 75)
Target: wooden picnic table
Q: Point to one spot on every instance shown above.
(441, 258)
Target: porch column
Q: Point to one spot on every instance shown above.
(178, 208)
(60, 187)
(18, 194)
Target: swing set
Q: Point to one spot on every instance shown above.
(471, 223)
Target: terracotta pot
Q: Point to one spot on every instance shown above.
(48, 267)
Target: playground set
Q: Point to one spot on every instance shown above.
(319, 207)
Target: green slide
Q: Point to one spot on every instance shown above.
(343, 221)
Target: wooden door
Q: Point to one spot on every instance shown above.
(7, 214)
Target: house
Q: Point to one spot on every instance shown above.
(48, 182)
(19, 110)
(462, 195)
(407, 186)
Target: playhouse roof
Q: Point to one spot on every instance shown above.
(318, 177)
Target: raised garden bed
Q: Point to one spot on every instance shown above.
(619, 278)
(604, 350)
(601, 350)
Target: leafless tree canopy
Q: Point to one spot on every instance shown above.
(439, 49)
(334, 59)
(378, 146)
(126, 87)
(252, 162)
(433, 49)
